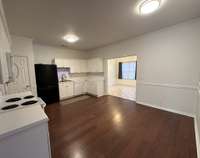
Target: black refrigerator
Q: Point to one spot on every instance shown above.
(47, 82)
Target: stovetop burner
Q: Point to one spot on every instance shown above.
(29, 102)
(28, 97)
(13, 106)
(13, 99)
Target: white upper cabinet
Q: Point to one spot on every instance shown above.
(75, 66)
(59, 62)
(95, 65)
(81, 65)
(4, 46)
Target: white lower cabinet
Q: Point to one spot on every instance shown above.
(95, 87)
(80, 88)
(75, 88)
(66, 90)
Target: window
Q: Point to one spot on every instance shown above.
(127, 70)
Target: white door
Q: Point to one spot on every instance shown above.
(21, 80)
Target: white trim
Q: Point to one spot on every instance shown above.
(3, 18)
(177, 86)
(165, 109)
(197, 137)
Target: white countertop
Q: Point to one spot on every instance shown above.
(21, 119)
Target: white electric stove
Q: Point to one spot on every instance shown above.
(19, 100)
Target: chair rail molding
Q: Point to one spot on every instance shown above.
(177, 86)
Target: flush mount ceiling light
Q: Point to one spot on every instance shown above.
(149, 6)
(71, 38)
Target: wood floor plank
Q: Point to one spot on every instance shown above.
(111, 127)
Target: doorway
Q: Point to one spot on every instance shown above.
(121, 77)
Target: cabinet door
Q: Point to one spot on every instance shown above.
(99, 65)
(83, 66)
(100, 88)
(66, 90)
(67, 62)
(85, 87)
(61, 90)
(72, 65)
(95, 65)
(78, 88)
(77, 66)
(90, 65)
(92, 87)
(59, 62)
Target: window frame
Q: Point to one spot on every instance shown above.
(120, 76)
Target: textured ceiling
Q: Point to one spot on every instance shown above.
(96, 22)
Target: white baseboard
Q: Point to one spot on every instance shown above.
(166, 109)
(197, 137)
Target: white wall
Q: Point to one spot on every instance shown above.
(167, 65)
(198, 112)
(45, 54)
(24, 47)
(112, 72)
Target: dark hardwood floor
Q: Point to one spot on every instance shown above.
(110, 127)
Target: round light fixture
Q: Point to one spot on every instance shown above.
(149, 6)
(71, 38)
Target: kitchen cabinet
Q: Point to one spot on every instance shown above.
(74, 66)
(59, 62)
(95, 65)
(66, 90)
(81, 65)
(77, 65)
(80, 88)
(95, 87)
(4, 47)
